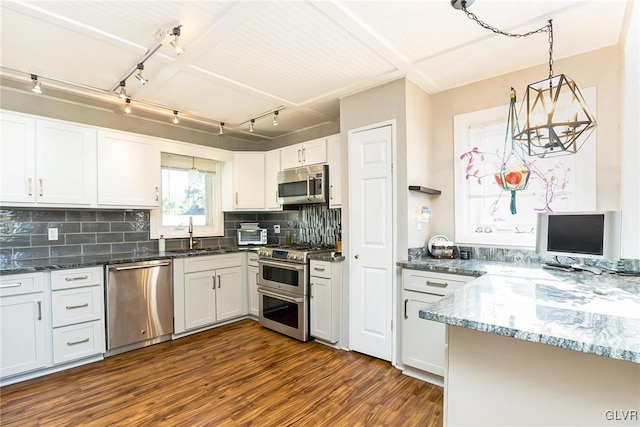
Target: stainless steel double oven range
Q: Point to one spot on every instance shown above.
(283, 288)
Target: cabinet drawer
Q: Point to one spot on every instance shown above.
(78, 341)
(76, 305)
(321, 269)
(17, 284)
(212, 262)
(75, 278)
(253, 259)
(434, 283)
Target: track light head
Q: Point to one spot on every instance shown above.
(37, 87)
(174, 43)
(141, 79)
(175, 117)
(251, 123)
(127, 107)
(221, 130)
(123, 92)
(274, 121)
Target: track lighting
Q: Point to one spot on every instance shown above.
(141, 79)
(127, 107)
(274, 121)
(221, 129)
(175, 117)
(123, 92)
(37, 87)
(251, 123)
(174, 43)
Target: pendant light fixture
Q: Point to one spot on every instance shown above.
(37, 87)
(193, 173)
(556, 117)
(514, 172)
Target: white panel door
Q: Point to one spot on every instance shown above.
(17, 159)
(370, 241)
(199, 299)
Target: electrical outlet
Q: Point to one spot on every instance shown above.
(276, 229)
(53, 233)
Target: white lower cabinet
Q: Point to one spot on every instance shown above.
(23, 328)
(423, 341)
(252, 280)
(77, 302)
(325, 283)
(207, 290)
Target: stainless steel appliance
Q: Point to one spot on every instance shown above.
(304, 185)
(252, 236)
(283, 288)
(139, 304)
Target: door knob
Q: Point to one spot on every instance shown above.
(356, 256)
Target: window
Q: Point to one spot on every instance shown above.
(482, 207)
(188, 196)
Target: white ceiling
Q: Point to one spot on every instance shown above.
(244, 59)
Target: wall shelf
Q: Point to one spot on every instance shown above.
(426, 190)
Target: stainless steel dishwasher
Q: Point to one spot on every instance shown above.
(139, 304)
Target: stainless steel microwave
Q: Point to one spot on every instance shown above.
(305, 185)
(252, 236)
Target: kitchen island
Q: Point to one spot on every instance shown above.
(530, 347)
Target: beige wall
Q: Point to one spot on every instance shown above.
(599, 69)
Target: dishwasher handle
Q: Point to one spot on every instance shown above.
(136, 267)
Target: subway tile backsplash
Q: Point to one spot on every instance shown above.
(24, 232)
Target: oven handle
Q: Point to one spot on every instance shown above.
(285, 265)
(280, 296)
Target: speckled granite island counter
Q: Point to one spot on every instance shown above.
(535, 347)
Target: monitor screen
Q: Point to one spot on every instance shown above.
(593, 234)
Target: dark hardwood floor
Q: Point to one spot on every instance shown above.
(235, 375)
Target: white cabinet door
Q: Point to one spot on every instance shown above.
(321, 308)
(199, 299)
(334, 158)
(254, 298)
(128, 170)
(272, 167)
(314, 152)
(248, 180)
(65, 164)
(22, 334)
(304, 154)
(230, 294)
(17, 159)
(423, 340)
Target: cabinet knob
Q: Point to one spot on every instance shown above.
(356, 256)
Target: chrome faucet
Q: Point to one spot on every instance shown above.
(190, 232)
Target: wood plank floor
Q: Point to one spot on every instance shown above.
(236, 375)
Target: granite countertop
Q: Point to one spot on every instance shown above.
(45, 264)
(332, 257)
(597, 314)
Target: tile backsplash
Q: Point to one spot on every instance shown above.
(24, 232)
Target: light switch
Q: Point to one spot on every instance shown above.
(53, 233)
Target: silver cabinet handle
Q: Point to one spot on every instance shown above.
(276, 196)
(299, 161)
(78, 342)
(214, 282)
(31, 186)
(236, 198)
(73, 307)
(11, 285)
(437, 284)
(219, 282)
(71, 279)
(319, 268)
(304, 158)
(41, 186)
(311, 296)
(331, 192)
(157, 194)
(39, 310)
(406, 301)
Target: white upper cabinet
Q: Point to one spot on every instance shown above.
(334, 158)
(48, 163)
(248, 180)
(304, 154)
(128, 170)
(272, 167)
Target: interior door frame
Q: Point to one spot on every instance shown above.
(394, 230)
